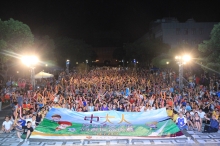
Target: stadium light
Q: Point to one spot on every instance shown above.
(181, 60)
(31, 61)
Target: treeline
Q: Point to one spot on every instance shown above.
(17, 39)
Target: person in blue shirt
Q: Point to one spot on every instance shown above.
(22, 121)
(20, 100)
(184, 102)
(213, 127)
(181, 122)
(104, 107)
(171, 90)
(120, 107)
(188, 107)
(218, 93)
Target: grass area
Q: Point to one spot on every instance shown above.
(48, 127)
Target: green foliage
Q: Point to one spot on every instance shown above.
(210, 50)
(15, 36)
(3, 46)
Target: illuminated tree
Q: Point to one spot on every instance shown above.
(210, 49)
(14, 37)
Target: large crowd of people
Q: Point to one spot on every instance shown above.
(119, 89)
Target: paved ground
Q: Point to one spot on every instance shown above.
(196, 138)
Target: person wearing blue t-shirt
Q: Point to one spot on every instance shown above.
(120, 108)
(181, 122)
(188, 107)
(23, 122)
(213, 127)
(104, 107)
(171, 90)
(218, 93)
(184, 103)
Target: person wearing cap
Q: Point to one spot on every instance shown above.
(213, 127)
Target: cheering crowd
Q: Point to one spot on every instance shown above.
(124, 90)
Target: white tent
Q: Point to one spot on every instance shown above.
(42, 74)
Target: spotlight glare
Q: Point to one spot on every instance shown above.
(186, 58)
(29, 60)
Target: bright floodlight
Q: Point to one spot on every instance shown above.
(186, 58)
(34, 60)
(29, 60)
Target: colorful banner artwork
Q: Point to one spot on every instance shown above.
(65, 124)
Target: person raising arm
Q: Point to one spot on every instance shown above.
(213, 127)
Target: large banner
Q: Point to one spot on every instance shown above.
(62, 123)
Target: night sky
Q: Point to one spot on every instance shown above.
(79, 19)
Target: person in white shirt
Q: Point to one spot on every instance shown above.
(33, 123)
(150, 108)
(193, 112)
(91, 107)
(142, 107)
(27, 118)
(7, 125)
(56, 98)
(176, 107)
(141, 96)
(183, 110)
(201, 114)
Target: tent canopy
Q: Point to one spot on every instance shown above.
(42, 74)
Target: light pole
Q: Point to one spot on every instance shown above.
(123, 62)
(46, 67)
(67, 66)
(135, 64)
(87, 65)
(31, 61)
(181, 60)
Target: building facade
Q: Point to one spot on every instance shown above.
(173, 32)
